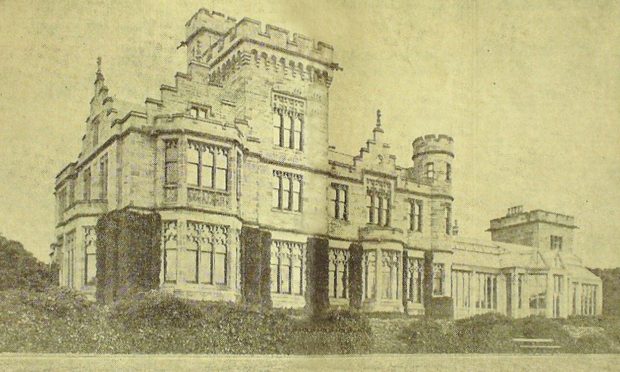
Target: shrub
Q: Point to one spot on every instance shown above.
(426, 335)
(156, 309)
(334, 332)
(57, 302)
(485, 333)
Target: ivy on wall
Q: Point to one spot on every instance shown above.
(317, 276)
(128, 254)
(427, 289)
(255, 268)
(356, 253)
(405, 284)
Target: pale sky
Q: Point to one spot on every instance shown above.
(530, 91)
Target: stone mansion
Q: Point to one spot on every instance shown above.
(241, 140)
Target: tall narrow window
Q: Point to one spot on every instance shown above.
(169, 242)
(207, 160)
(430, 171)
(287, 191)
(278, 126)
(239, 175)
(171, 161)
(193, 166)
(338, 273)
(90, 255)
(287, 127)
(62, 202)
(448, 172)
(415, 273)
(340, 202)
(438, 277)
(297, 132)
(415, 215)
(288, 121)
(95, 132)
(448, 218)
(103, 177)
(87, 184)
(520, 284)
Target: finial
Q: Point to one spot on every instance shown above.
(99, 64)
(379, 118)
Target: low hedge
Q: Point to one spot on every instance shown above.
(493, 333)
(156, 322)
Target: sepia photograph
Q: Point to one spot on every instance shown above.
(309, 185)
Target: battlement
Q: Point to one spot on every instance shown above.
(273, 37)
(433, 143)
(213, 21)
(518, 217)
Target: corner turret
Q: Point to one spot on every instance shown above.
(432, 159)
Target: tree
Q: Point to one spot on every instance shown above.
(19, 269)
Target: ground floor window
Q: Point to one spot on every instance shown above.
(70, 258)
(520, 284)
(557, 295)
(207, 253)
(414, 276)
(438, 279)
(169, 243)
(390, 269)
(485, 290)
(338, 273)
(461, 288)
(537, 293)
(369, 261)
(90, 255)
(588, 299)
(287, 267)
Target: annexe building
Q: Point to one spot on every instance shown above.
(241, 140)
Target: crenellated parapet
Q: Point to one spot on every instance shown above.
(251, 30)
(433, 144)
(211, 21)
(224, 46)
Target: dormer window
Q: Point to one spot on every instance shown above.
(199, 112)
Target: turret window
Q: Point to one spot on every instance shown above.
(430, 171)
(448, 172)
(448, 218)
(556, 242)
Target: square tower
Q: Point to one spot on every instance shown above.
(536, 228)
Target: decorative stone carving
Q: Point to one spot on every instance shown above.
(208, 198)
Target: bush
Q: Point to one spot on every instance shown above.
(156, 309)
(57, 302)
(334, 332)
(485, 333)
